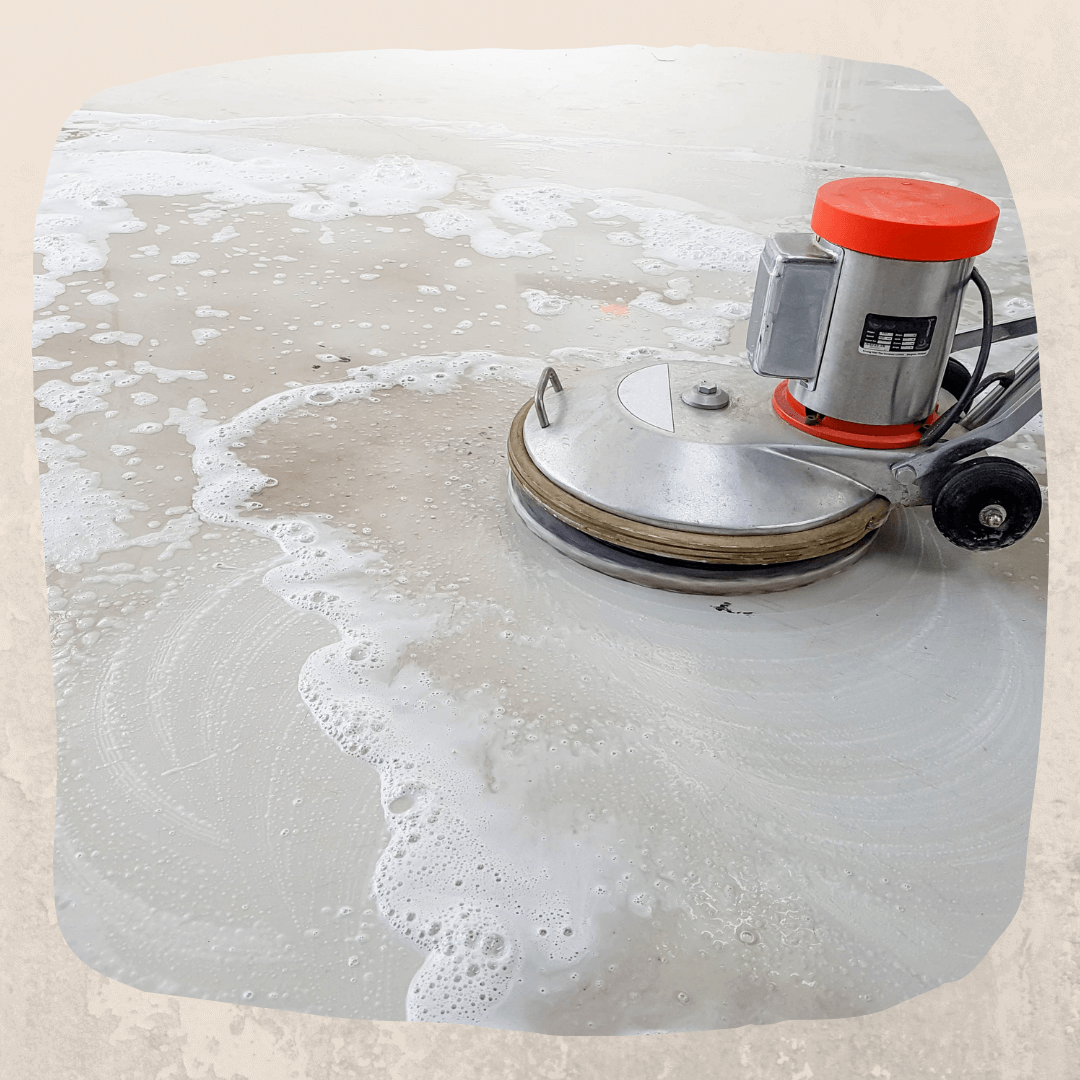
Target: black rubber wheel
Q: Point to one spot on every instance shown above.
(987, 503)
(956, 378)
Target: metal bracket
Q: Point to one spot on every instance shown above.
(548, 375)
(1001, 414)
(912, 478)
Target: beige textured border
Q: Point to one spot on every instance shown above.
(1013, 1017)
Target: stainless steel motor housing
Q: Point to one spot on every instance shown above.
(862, 338)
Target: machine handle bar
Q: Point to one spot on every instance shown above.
(972, 339)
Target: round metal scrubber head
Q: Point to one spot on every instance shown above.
(679, 575)
(637, 483)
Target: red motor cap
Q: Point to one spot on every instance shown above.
(904, 219)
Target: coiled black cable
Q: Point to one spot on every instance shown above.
(975, 383)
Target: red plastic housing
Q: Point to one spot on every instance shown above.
(897, 218)
(869, 436)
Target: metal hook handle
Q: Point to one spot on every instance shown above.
(548, 375)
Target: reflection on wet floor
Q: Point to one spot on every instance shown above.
(275, 504)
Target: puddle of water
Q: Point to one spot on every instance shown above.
(275, 509)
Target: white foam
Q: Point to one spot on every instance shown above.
(543, 303)
(50, 327)
(168, 375)
(1018, 307)
(81, 520)
(498, 244)
(113, 337)
(120, 575)
(383, 711)
(484, 236)
(653, 266)
(704, 324)
(679, 288)
(538, 208)
(318, 185)
(119, 156)
(687, 241)
(101, 382)
(66, 400)
(46, 290)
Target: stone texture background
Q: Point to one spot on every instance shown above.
(1016, 1016)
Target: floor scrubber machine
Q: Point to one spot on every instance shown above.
(726, 478)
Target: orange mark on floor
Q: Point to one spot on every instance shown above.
(615, 309)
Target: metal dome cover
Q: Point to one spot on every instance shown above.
(623, 439)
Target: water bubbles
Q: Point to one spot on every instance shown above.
(363, 653)
(543, 303)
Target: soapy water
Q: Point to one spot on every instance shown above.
(118, 156)
(508, 862)
(606, 810)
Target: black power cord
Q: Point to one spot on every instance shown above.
(1006, 378)
(975, 383)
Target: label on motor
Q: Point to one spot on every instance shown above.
(888, 335)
